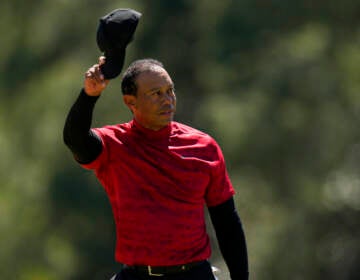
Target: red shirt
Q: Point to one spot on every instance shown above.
(158, 183)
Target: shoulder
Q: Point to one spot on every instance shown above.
(195, 142)
(184, 131)
(113, 130)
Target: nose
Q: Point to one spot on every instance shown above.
(168, 99)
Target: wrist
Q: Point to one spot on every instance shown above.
(86, 96)
(91, 93)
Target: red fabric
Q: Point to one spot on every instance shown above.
(158, 183)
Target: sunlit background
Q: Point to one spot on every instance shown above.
(276, 83)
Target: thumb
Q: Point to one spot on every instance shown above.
(102, 60)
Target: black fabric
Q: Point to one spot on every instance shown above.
(231, 238)
(115, 31)
(82, 141)
(200, 272)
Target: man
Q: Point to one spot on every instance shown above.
(158, 175)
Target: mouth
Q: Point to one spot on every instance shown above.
(167, 112)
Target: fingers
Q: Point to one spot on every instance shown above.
(94, 73)
(98, 75)
(95, 82)
(102, 60)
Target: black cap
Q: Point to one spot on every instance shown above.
(114, 33)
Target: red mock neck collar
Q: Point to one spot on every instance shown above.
(153, 135)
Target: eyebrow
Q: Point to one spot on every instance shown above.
(157, 88)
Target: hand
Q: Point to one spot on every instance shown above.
(95, 82)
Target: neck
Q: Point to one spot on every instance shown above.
(150, 127)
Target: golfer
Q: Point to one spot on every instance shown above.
(158, 174)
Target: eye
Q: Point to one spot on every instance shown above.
(171, 90)
(155, 93)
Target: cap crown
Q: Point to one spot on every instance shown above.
(116, 29)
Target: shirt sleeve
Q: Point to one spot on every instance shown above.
(220, 187)
(102, 157)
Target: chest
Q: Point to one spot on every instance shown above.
(178, 171)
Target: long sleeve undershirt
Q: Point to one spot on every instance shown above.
(78, 136)
(231, 238)
(87, 146)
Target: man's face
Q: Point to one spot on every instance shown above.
(155, 103)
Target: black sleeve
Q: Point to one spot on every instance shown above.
(78, 136)
(231, 238)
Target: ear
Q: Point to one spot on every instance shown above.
(130, 101)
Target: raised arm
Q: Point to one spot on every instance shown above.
(77, 133)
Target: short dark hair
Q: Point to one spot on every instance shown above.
(128, 83)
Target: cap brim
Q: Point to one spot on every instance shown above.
(114, 63)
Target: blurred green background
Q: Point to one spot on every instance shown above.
(275, 82)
